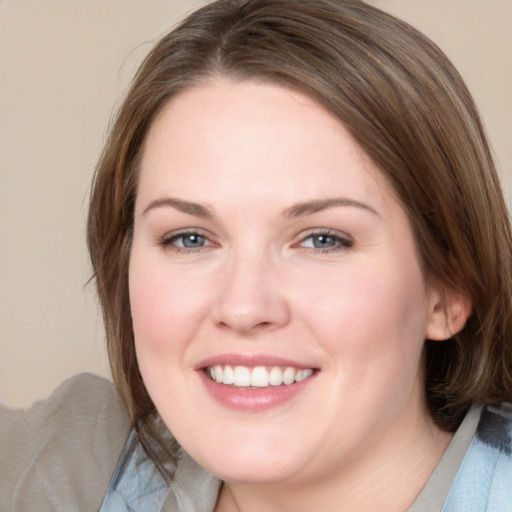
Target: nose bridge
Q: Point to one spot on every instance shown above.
(250, 298)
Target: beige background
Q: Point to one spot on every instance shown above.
(63, 65)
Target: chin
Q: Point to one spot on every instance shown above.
(242, 462)
(247, 470)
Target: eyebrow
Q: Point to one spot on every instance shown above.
(189, 207)
(297, 210)
(309, 207)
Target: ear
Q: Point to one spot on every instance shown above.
(447, 315)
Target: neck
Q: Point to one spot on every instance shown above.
(387, 477)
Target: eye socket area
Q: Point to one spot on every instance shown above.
(318, 241)
(187, 240)
(325, 241)
(191, 241)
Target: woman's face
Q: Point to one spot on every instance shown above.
(279, 309)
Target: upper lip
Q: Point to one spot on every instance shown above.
(249, 361)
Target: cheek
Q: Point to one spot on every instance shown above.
(162, 314)
(165, 320)
(372, 328)
(151, 306)
(372, 315)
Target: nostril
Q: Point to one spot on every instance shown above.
(246, 327)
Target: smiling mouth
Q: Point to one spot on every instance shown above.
(258, 376)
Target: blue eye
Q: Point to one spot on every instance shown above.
(326, 242)
(192, 240)
(323, 241)
(186, 240)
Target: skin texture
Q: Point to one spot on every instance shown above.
(261, 281)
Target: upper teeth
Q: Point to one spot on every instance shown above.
(259, 376)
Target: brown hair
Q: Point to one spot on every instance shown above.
(407, 107)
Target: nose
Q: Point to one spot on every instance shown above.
(250, 299)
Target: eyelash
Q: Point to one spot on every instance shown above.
(342, 243)
(169, 241)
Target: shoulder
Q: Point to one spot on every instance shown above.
(484, 480)
(63, 450)
(495, 427)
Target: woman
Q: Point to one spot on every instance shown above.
(303, 257)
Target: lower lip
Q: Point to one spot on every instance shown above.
(253, 399)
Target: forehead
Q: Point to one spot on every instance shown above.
(251, 140)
